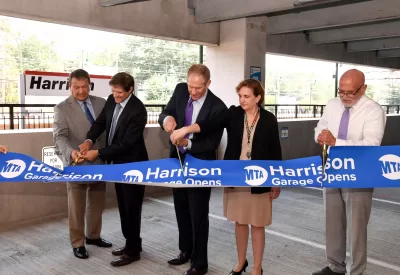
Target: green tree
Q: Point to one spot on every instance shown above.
(157, 65)
(33, 54)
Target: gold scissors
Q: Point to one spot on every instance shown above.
(75, 161)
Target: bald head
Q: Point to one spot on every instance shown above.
(355, 76)
(351, 87)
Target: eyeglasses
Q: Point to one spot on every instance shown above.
(349, 95)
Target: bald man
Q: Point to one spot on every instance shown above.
(352, 119)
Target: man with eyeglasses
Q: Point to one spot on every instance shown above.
(352, 119)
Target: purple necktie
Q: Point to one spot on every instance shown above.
(188, 119)
(344, 124)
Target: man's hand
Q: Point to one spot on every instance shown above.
(275, 191)
(85, 146)
(91, 155)
(178, 135)
(75, 155)
(183, 142)
(3, 149)
(326, 137)
(170, 124)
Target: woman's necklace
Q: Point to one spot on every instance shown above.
(248, 154)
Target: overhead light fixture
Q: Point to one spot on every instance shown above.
(109, 3)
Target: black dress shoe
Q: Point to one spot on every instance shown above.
(99, 242)
(327, 271)
(182, 258)
(246, 264)
(194, 271)
(81, 252)
(125, 260)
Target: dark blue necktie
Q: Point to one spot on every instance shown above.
(88, 113)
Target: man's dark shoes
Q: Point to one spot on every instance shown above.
(119, 251)
(194, 271)
(125, 260)
(99, 242)
(182, 258)
(81, 252)
(327, 271)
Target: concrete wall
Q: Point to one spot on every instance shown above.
(22, 203)
(168, 19)
(27, 202)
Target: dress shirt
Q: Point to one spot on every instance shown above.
(366, 125)
(90, 106)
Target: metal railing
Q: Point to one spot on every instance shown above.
(35, 116)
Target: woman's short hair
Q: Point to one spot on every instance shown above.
(200, 69)
(255, 86)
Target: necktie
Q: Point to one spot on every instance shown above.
(344, 124)
(88, 113)
(114, 123)
(188, 119)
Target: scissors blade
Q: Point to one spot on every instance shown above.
(179, 156)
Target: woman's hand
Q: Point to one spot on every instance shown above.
(3, 149)
(177, 135)
(275, 191)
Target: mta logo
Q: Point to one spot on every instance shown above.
(390, 165)
(13, 168)
(255, 175)
(133, 176)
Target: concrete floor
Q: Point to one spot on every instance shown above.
(294, 243)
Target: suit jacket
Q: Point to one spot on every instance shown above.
(266, 144)
(71, 125)
(203, 146)
(128, 143)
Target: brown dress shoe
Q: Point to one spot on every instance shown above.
(125, 260)
(181, 259)
(194, 271)
(119, 251)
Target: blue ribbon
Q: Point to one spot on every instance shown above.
(347, 167)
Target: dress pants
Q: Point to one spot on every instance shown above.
(191, 209)
(81, 197)
(347, 213)
(130, 200)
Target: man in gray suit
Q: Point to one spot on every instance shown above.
(73, 118)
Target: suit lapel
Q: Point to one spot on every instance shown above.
(97, 109)
(205, 109)
(181, 108)
(124, 113)
(77, 110)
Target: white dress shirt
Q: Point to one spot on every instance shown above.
(366, 125)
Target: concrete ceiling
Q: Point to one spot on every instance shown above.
(361, 25)
(370, 26)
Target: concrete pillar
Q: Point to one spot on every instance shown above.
(242, 46)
